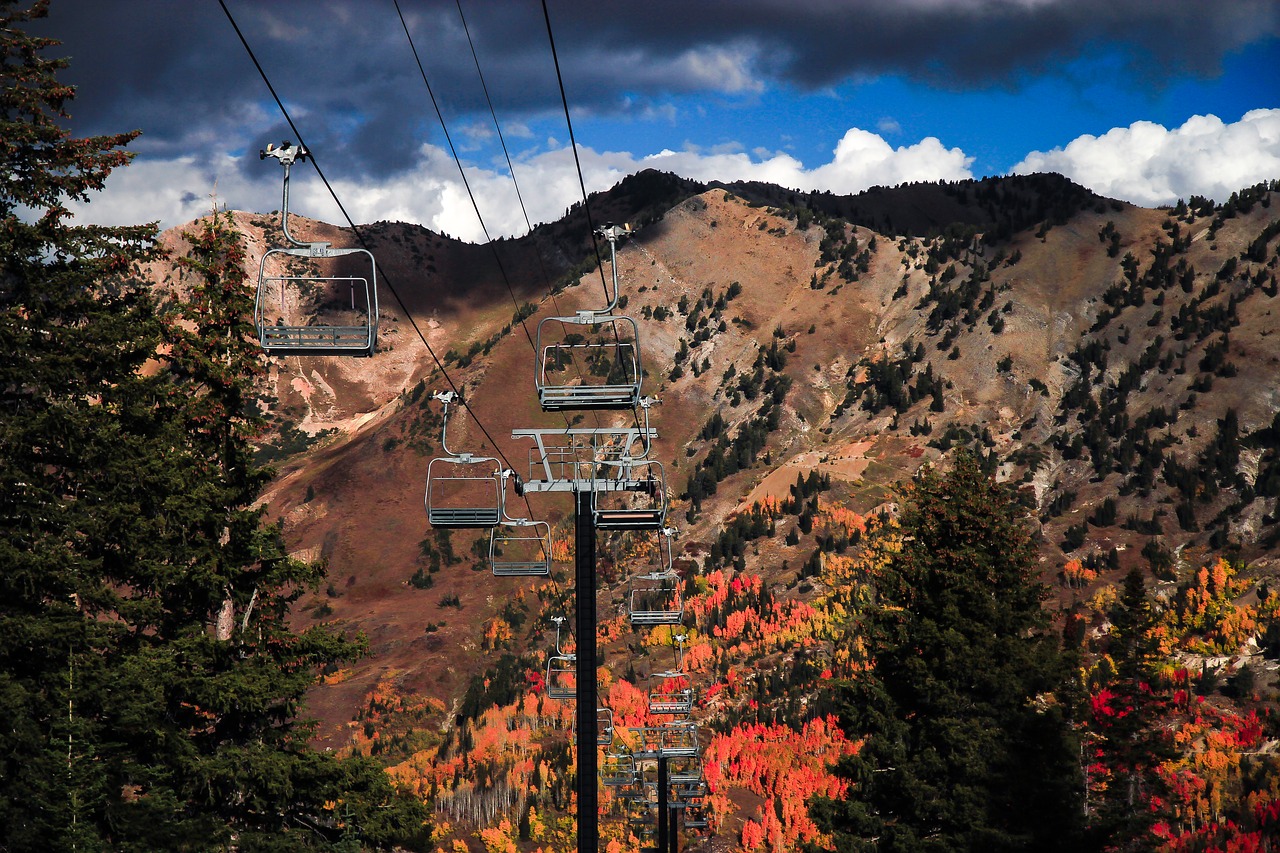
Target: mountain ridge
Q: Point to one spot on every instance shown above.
(1111, 362)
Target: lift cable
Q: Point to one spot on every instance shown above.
(467, 185)
(582, 184)
(546, 277)
(511, 170)
(573, 145)
(497, 258)
(356, 231)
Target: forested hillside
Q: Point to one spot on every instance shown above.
(150, 680)
(1108, 366)
(976, 487)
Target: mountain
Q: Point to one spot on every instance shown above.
(1115, 363)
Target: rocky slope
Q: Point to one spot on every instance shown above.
(1115, 362)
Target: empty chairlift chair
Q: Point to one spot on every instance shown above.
(604, 726)
(463, 490)
(670, 691)
(618, 769)
(519, 547)
(562, 676)
(676, 740)
(640, 502)
(655, 598)
(685, 771)
(590, 360)
(596, 368)
(692, 792)
(562, 669)
(326, 304)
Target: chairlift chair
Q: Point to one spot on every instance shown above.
(463, 489)
(674, 740)
(618, 769)
(640, 500)
(597, 368)
(685, 770)
(692, 791)
(562, 676)
(562, 669)
(655, 599)
(604, 726)
(643, 824)
(632, 793)
(519, 547)
(670, 691)
(350, 330)
(695, 817)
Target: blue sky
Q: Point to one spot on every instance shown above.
(1142, 101)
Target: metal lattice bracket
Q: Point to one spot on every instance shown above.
(569, 460)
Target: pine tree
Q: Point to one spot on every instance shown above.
(1128, 731)
(75, 328)
(966, 746)
(149, 681)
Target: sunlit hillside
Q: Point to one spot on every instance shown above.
(1114, 366)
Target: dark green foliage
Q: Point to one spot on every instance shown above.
(741, 529)
(1073, 537)
(1105, 514)
(149, 679)
(727, 455)
(964, 748)
(887, 383)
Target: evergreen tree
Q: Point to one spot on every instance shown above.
(1128, 729)
(966, 742)
(74, 330)
(149, 681)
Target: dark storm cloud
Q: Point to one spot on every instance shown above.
(178, 72)
(954, 43)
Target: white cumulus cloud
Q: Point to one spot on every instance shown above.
(432, 193)
(1148, 164)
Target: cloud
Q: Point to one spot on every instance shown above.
(889, 125)
(179, 72)
(1150, 165)
(430, 192)
(347, 74)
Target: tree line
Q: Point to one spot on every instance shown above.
(150, 682)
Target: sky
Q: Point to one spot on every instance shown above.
(1143, 101)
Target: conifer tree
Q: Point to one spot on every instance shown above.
(1128, 734)
(966, 746)
(149, 681)
(74, 329)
